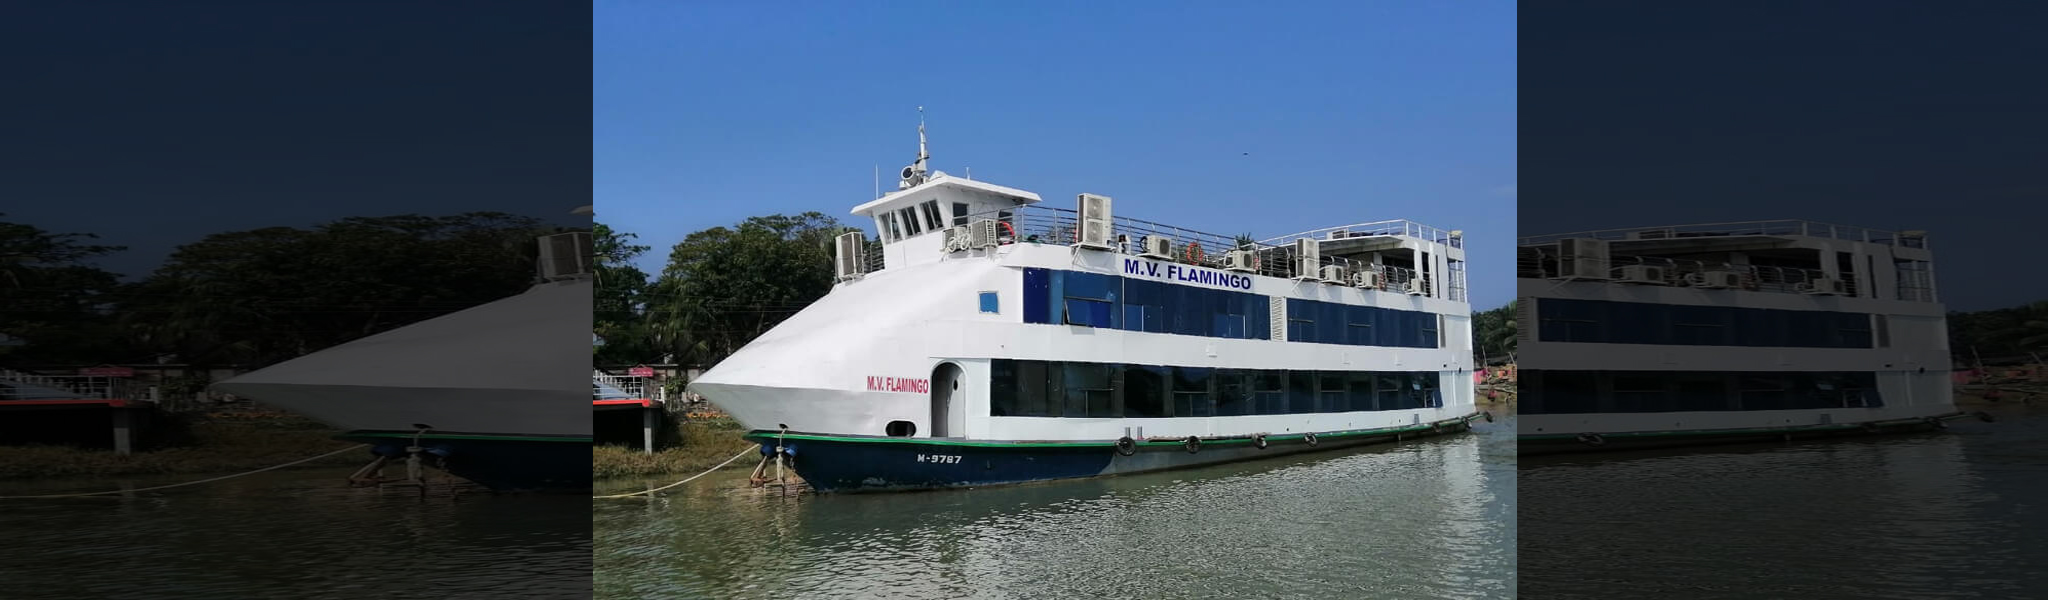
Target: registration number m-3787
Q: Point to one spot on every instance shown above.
(942, 459)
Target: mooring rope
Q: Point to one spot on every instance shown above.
(692, 477)
(161, 487)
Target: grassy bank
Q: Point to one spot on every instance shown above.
(705, 444)
(199, 445)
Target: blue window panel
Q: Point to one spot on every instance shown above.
(1091, 285)
(1258, 322)
(988, 303)
(1093, 313)
(1037, 296)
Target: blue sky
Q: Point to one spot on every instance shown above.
(1207, 115)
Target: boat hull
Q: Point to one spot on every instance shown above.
(503, 463)
(1565, 443)
(858, 464)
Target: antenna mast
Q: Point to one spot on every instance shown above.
(914, 174)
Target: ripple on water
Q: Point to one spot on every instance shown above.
(1421, 519)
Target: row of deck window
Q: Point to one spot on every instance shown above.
(1112, 302)
(1608, 322)
(1575, 392)
(1030, 388)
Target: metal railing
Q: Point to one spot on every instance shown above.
(1396, 227)
(1744, 228)
(1046, 225)
(606, 386)
(1544, 263)
(18, 385)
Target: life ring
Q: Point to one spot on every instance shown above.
(1310, 438)
(1592, 439)
(1194, 252)
(1193, 444)
(1259, 441)
(1008, 228)
(1126, 446)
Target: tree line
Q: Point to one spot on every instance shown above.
(254, 297)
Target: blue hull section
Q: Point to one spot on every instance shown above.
(501, 464)
(838, 463)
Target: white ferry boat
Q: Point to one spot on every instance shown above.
(1727, 332)
(990, 340)
(492, 394)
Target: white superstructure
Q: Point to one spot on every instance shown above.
(985, 316)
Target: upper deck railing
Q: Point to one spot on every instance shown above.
(1396, 227)
(1032, 224)
(1745, 228)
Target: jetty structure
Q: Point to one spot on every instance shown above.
(989, 339)
(1724, 332)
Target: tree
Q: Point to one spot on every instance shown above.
(52, 299)
(264, 295)
(620, 319)
(1494, 332)
(724, 286)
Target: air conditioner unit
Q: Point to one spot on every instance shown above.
(1416, 287)
(1095, 222)
(1643, 274)
(1825, 286)
(847, 254)
(1366, 279)
(1714, 280)
(957, 239)
(1333, 274)
(1582, 258)
(1307, 256)
(982, 233)
(566, 256)
(1157, 247)
(1241, 261)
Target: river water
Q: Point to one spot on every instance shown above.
(289, 534)
(1961, 514)
(1427, 519)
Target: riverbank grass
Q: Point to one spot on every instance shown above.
(705, 443)
(199, 445)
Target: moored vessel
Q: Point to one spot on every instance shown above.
(991, 340)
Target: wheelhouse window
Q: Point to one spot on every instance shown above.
(959, 214)
(890, 230)
(910, 225)
(931, 215)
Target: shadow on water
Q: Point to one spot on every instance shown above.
(1431, 518)
(297, 533)
(1942, 514)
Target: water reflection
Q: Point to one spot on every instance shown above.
(299, 534)
(1933, 515)
(1427, 519)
